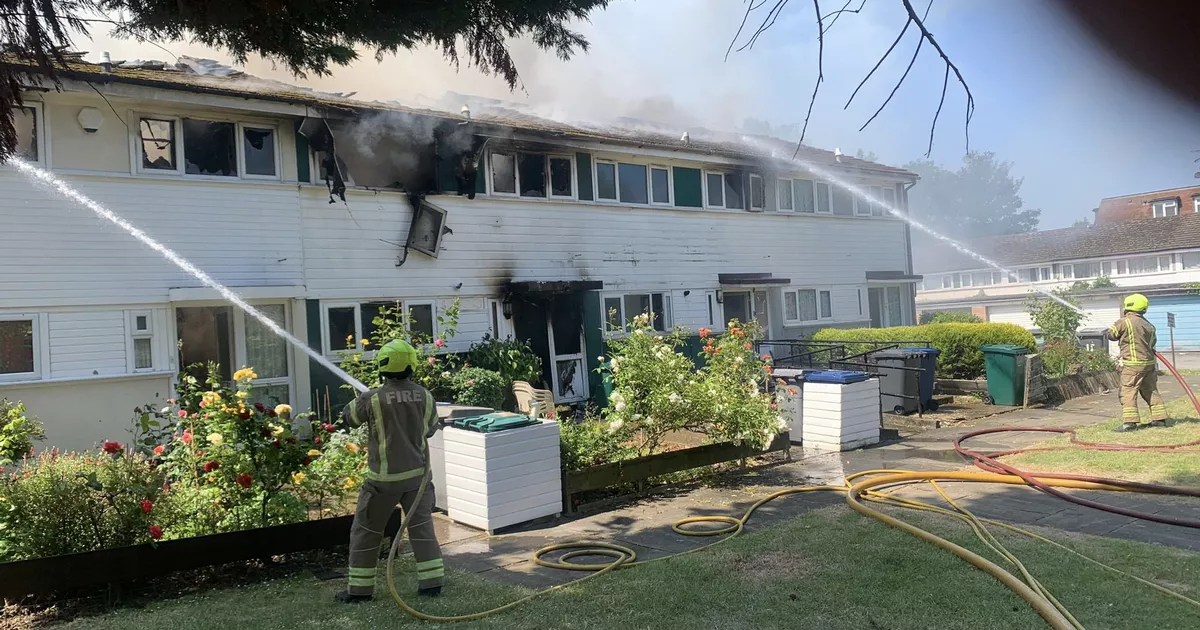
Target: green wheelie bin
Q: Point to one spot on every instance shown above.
(1005, 374)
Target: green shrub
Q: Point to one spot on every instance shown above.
(480, 388)
(959, 343)
(1060, 358)
(18, 431)
(949, 317)
(512, 358)
(593, 442)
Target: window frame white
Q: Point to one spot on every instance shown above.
(133, 335)
(649, 192)
(360, 326)
(177, 129)
(241, 151)
(491, 174)
(794, 292)
(573, 175)
(1164, 205)
(39, 347)
(616, 198)
(40, 129)
(817, 183)
(241, 353)
(708, 202)
(780, 182)
(670, 184)
(863, 207)
(666, 318)
(750, 193)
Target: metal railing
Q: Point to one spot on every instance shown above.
(818, 354)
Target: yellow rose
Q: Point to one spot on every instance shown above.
(245, 374)
(350, 483)
(314, 453)
(365, 342)
(216, 439)
(275, 430)
(211, 397)
(283, 410)
(242, 395)
(351, 447)
(298, 477)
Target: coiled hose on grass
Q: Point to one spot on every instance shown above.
(868, 487)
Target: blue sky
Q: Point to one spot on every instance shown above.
(1073, 123)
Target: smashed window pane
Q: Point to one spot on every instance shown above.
(158, 144)
(532, 170)
(258, 145)
(504, 173)
(209, 148)
(25, 120)
(560, 177)
(342, 328)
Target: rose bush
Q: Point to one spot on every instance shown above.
(435, 368)
(479, 387)
(657, 389)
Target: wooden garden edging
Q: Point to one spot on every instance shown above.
(55, 574)
(642, 468)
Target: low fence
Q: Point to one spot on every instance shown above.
(1057, 390)
(813, 354)
(58, 574)
(643, 468)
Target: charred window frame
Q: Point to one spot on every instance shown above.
(210, 147)
(502, 173)
(562, 176)
(205, 148)
(533, 177)
(258, 151)
(158, 144)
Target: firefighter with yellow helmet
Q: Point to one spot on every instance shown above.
(1139, 368)
(401, 417)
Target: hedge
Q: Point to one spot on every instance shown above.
(959, 343)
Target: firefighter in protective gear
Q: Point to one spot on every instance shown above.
(401, 417)
(1139, 368)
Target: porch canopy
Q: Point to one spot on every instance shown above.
(751, 280)
(547, 289)
(892, 277)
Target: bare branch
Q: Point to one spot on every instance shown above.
(925, 34)
(836, 14)
(762, 28)
(898, 84)
(820, 74)
(879, 63)
(750, 8)
(933, 127)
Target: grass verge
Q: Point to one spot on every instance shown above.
(1175, 469)
(829, 568)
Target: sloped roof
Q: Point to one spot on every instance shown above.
(206, 77)
(1145, 236)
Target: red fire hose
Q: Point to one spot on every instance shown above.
(990, 463)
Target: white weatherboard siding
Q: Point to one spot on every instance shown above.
(626, 248)
(1010, 314)
(87, 344)
(54, 252)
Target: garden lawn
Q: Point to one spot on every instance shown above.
(1175, 469)
(829, 568)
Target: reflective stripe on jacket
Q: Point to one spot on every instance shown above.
(1137, 338)
(402, 416)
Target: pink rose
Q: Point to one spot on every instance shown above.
(182, 413)
(432, 361)
(439, 342)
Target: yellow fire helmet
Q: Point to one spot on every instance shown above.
(1137, 303)
(396, 356)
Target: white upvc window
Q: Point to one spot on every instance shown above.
(345, 324)
(889, 198)
(1164, 208)
(785, 194)
(1196, 204)
(605, 176)
(206, 148)
(948, 281)
(662, 189)
(758, 193)
(714, 311)
(714, 189)
(20, 347)
(807, 305)
(531, 174)
(863, 207)
(621, 308)
(140, 344)
(824, 197)
(30, 122)
(502, 166)
(1067, 271)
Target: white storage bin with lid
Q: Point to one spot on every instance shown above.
(841, 417)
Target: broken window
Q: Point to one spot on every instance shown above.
(660, 185)
(504, 173)
(734, 192)
(25, 120)
(342, 327)
(606, 181)
(716, 188)
(205, 336)
(531, 169)
(420, 322)
(632, 181)
(210, 148)
(560, 177)
(258, 147)
(158, 144)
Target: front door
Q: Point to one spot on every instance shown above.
(229, 339)
(760, 313)
(568, 367)
(737, 306)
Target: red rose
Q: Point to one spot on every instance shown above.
(259, 406)
(245, 415)
(155, 532)
(271, 413)
(147, 506)
(244, 480)
(329, 428)
(160, 449)
(306, 461)
(276, 444)
(211, 466)
(266, 433)
(113, 448)
(316, 440)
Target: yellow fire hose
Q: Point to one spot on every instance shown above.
(864, 487)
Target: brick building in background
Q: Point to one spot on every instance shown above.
(1160, 203)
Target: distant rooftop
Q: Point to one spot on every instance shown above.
(207, 76)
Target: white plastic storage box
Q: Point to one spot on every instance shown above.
(841, 417)
(494, 480)
(437, 455)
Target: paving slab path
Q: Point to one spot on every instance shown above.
(644, 524)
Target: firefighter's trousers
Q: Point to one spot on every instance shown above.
(376, 502)
(1141, 380)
